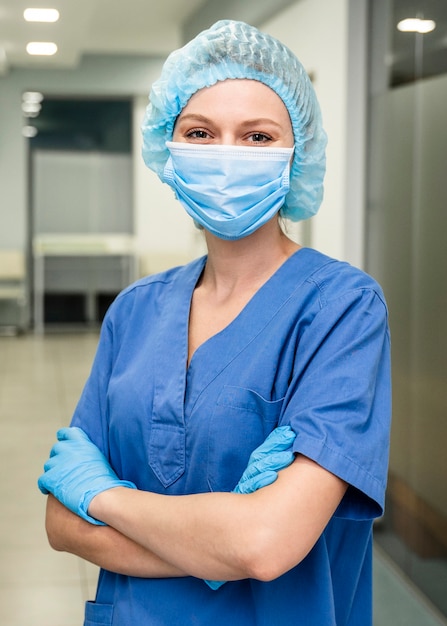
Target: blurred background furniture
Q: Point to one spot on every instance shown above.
(13, 291)
(86, 263)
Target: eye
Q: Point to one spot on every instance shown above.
(197, 133)
(259, 138)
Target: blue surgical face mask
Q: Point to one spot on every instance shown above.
(230, 190)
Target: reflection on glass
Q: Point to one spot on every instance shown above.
(407, 252)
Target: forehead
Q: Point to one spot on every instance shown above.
(237, 95)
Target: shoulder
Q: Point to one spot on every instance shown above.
(162, 278)
(154, 283)
(151, 292)
(334, 280)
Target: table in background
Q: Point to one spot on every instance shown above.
(74, 246)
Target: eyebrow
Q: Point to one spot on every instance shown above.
(202, 118)
(193, 116)
(260, 120)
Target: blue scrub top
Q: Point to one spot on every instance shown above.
(310, 349)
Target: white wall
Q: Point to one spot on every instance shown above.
(13, 188)
(316, 31)
(320, 33)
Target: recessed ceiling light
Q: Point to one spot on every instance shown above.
(416, 25)
(44, 48)
(41, 15)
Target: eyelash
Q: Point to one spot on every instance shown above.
(201, 134)
(195, 133)
(262, 138)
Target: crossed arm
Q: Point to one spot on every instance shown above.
(218, 536)
(102, 545)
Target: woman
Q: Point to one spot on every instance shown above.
(198, 365)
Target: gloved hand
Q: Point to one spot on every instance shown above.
(266, 460)
(77, 471)
(263, 466)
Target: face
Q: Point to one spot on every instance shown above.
(235, 112)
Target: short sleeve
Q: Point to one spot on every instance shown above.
(91, 411)
(340, 398)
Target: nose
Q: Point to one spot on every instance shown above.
(227, 138)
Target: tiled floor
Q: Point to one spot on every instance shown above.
(40, 381)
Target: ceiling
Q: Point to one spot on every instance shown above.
(149, 27)
(155, 27)
(138, 27)
(413, 56)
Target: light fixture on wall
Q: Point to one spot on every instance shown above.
(31, 103)
(29, 131)
(416, 25)
(41, 48)
(41, 15)
(31, 109)
(32, 96)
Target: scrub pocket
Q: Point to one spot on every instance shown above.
(98, 614)
(241, 421)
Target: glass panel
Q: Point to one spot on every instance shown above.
(407, 252)
(82, 125)
(81, 187)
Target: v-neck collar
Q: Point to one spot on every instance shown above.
(167, 453)
(167, 438)
(228, 343)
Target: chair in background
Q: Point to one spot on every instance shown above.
(12, 291)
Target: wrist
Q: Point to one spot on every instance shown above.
(103, 503)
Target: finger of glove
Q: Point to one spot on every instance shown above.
(41, 485)
(82, 448)
(76, 484)
(279, 439)
(275, 461)
(46, 483)
(79, 469)
(49, 464)
(47, 480)
(61, 447)
(67, 446)
(72, 433)
(257, 482)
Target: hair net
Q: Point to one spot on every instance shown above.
(232, 49)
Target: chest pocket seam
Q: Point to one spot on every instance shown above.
(239, 423)
(250, 400)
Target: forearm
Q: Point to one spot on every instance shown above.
(102, 545)
(194, 532)
(227, 536)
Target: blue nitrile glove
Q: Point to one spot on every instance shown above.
(265, 461)
(77, 471)
(263, 465)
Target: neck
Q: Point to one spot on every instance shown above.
(248, 262)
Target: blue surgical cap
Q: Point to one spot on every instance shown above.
(231, 50)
